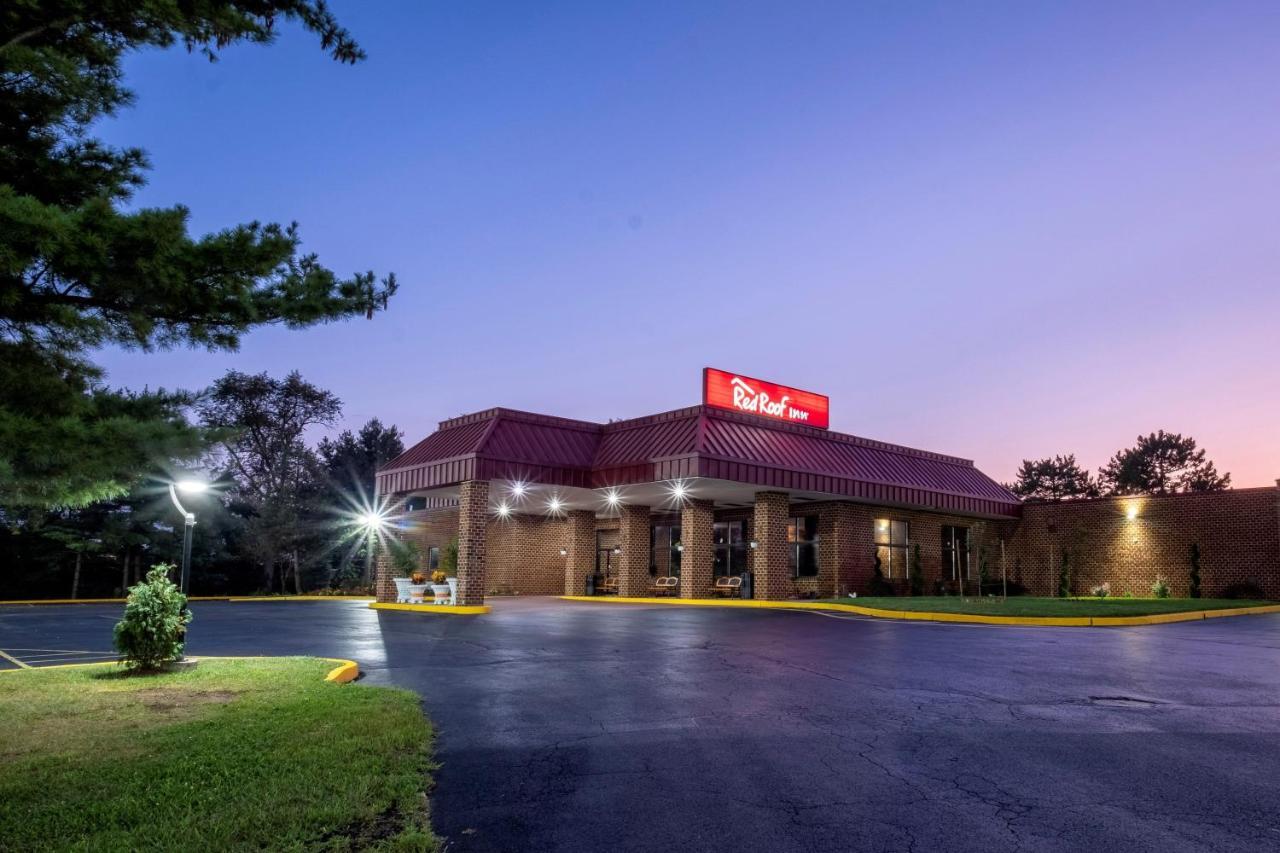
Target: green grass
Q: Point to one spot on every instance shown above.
(1025, 605)
(231, 755)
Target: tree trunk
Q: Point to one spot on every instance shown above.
(269, 571)
(75, 579)
(297, 575)
(124, 574)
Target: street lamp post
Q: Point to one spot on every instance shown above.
(189, 522)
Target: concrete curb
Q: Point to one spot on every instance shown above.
(345, 671)
(233, 598)
(927, 616)
(433, 609)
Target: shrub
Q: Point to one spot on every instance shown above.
(449, 558)
(154, 625)
(915, 575)
(406, 556)
(1195, 570)
(1160, 589)
(879, 586)
(1244, 589)
(1101, 591)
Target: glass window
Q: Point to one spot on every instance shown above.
(802, 543)
(955, 553)
(891, 539)
(729, 539)
(433, 558)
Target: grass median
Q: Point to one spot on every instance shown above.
(1026, 605)
(231, 755)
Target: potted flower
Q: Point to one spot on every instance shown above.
(417, 586)
(440, 587)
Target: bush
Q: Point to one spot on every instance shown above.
(154, 625)
(449, 559)
(1101, 591)
(406, 556)
(1160, 589)
(1245, 589)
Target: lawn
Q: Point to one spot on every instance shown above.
(233, 754)
(1025, 605)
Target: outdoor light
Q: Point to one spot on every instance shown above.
(188, 486)
(518, 489)
(678, 491)
(612, 498)
(554, 505)
(504, 510)
(680, 547)
(617, 549)
(754, 544)
(564, 552)
(1132, 512)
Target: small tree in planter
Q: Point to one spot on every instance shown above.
(915, 575)
(1195, 570)
(154, 625)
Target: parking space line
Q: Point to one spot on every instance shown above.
(11, 659)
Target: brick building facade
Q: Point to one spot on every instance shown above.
(540, 504)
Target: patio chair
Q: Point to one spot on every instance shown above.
(726, 587)
(665, 586)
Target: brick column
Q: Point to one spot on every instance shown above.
(384, 589)
(697, 561)
(473, 517)
(839, 570)
(633, 563)
(581, 546)
(771, 568)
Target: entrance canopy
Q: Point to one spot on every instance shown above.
(713, 453)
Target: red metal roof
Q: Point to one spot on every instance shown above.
(693, 442)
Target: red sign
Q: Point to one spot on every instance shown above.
(743, 394)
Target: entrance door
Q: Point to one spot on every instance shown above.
(604, 562)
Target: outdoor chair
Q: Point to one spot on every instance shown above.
(727, 586)
(608, 585)
(665, 586)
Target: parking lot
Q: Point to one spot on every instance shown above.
(577, 726)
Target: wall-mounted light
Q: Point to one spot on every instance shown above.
(617, 549)
(680, 547)
(612, 498)
(754, 544)
(504, 510)
(518, 489)
(555, 505)
(1132, 512)
(564, 552)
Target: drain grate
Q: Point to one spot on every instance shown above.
(1123, 701)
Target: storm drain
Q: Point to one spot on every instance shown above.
(1123, 701)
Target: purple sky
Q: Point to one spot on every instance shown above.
(998, 232)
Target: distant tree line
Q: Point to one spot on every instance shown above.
(280, 515)
(1161, 463)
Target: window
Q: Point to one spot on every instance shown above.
(802, 543)
(891, 547)
(955, 553)
(433, 558)
(664, 550)
(730, 540)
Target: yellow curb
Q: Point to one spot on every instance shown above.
(929, 616)
(345, 671)
(434, 609)
(198, 598)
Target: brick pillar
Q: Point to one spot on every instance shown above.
(384, 588)
(473, 517)
(633, 563)
(697, 561)
(772, 569)
(839, 570)
(581, 546)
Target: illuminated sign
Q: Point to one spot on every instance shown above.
(738, 393)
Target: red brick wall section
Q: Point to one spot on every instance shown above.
(633, 562)
(770, 565)
(523, 555)
(697, 561)
(1238, 532)
(473, 518)
(581, 560)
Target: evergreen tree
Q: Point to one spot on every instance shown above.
(1162, 463)
(351, 460)
(1056, 479)
(79, 270)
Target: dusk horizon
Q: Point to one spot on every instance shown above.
(1055, 234)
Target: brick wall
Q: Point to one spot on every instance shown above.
(633, 562)
(697, 561)
(1238, 532)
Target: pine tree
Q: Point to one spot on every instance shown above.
(1056, 479)
(1159, 464)
(79, 270)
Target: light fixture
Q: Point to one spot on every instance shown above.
(192, 487)
(554, 505)
(680, 547)
(617, 549)
(612, 498)
(504, 510)
(564, 552)
(518, 489)
(188, 486)
(1132, 512)
(372, 519)
(679, 490)
(754, 544)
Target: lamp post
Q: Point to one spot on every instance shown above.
(191, 487)
(372, 521)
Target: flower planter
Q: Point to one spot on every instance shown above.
(441, 592)
(416, 592)
(453, 590)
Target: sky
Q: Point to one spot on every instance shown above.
(1000, 231)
